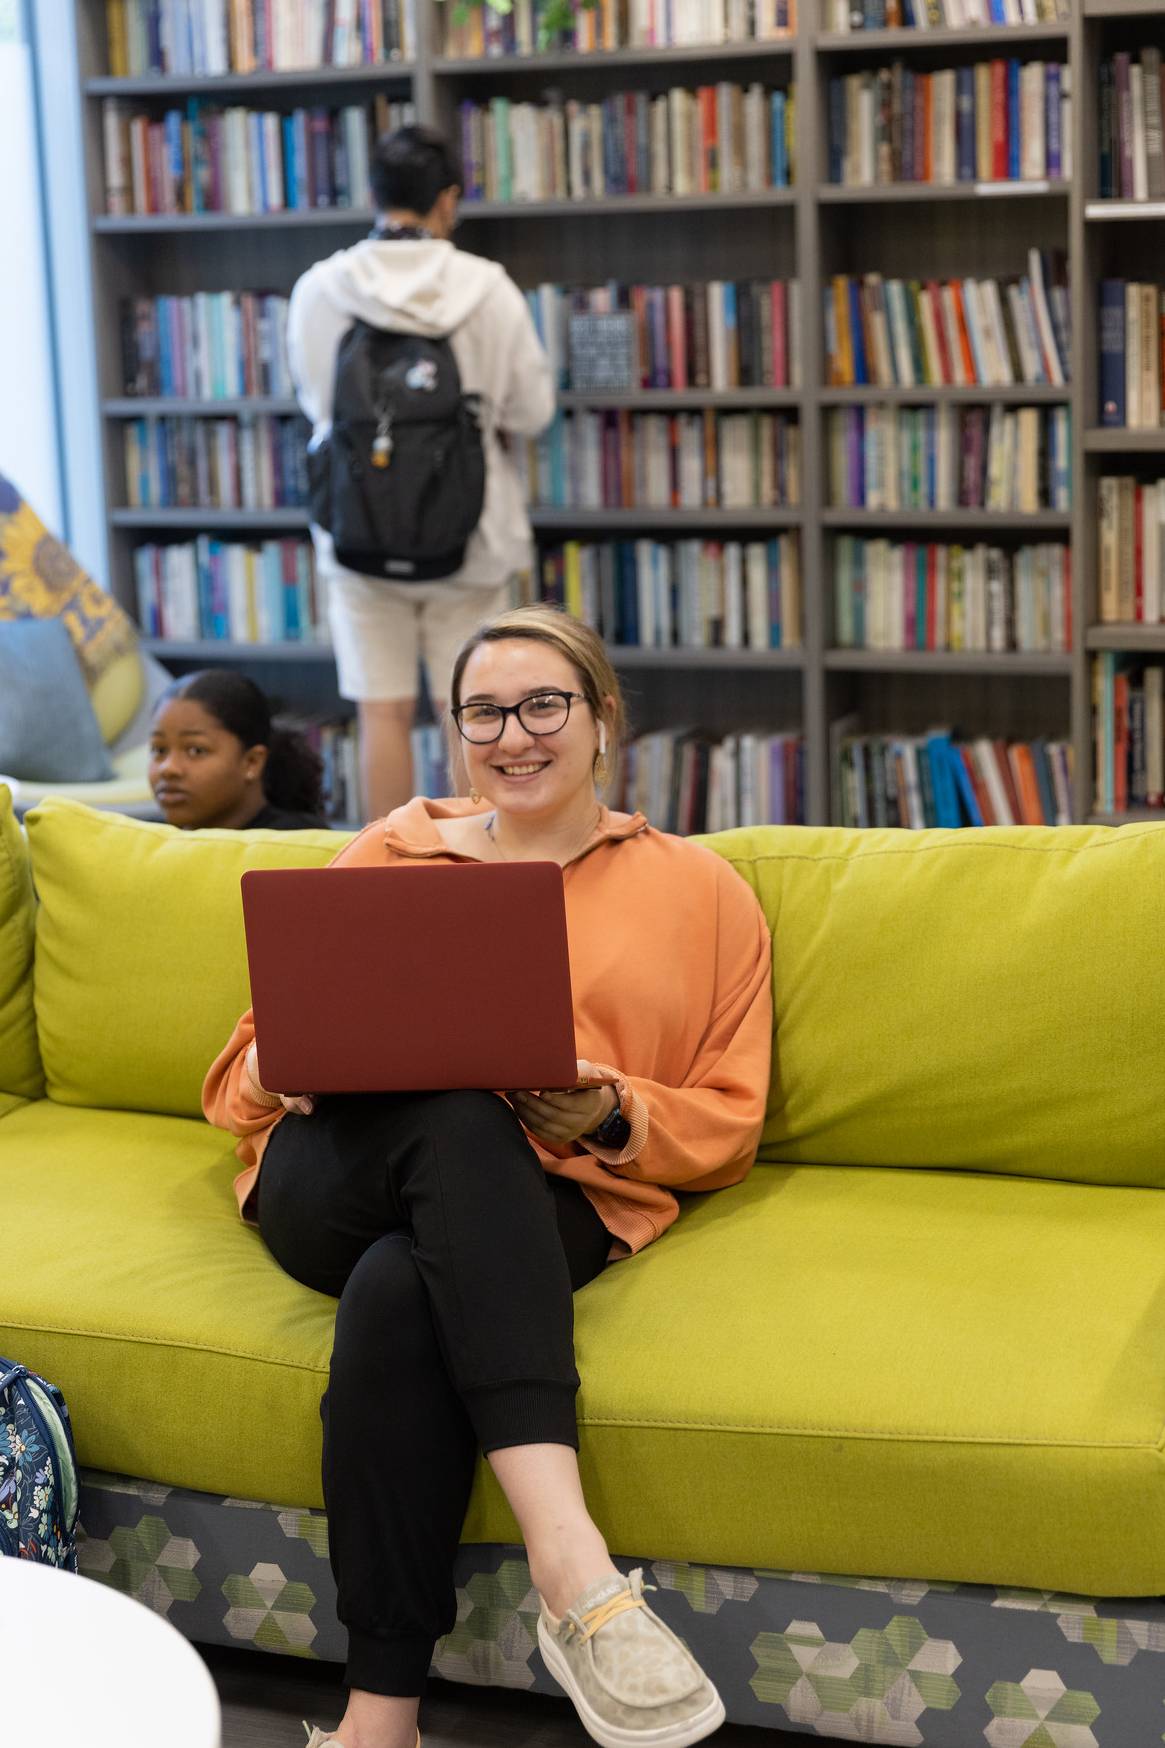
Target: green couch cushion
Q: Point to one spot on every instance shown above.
(893, 1372)
(141, 966)
(20, 1067)
(991, 1000)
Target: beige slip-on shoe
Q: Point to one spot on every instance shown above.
(318, 1739)
(633, 1683)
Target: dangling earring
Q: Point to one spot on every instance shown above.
(474, 796)
(599, 768)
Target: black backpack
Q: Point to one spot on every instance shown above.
(400, 482)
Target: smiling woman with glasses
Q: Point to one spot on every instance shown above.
(454, 1228)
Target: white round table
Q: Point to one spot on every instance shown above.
(85, 1665)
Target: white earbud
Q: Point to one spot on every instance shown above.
(602, 740)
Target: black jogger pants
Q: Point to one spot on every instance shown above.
(454, 1257)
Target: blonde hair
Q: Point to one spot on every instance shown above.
(587, 654)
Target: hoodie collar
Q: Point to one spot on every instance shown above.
(412, 830)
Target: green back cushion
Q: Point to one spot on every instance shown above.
(141, 968)
(20, 1070)
(988, 999)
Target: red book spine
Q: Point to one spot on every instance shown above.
(935, 293)
(978, 785)
(999, 120)
(676, 337)
(1120, 743)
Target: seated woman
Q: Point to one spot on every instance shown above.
(453, 1227)
(217, 760)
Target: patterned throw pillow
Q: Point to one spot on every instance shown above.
(40, 579)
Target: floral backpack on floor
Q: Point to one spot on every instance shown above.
(38, 1470)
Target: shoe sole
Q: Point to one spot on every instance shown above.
(693, 1729)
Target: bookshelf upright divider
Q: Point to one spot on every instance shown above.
(811, 232)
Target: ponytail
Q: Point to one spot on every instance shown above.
(293, 777)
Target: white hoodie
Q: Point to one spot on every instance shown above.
(427, 286)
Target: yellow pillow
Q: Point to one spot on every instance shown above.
(20, 1069)
(116, 693)
(141, 967)
(988, 999)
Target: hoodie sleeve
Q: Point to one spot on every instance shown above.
(526, 403)
(315, 327)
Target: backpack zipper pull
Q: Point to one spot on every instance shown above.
(382, 443)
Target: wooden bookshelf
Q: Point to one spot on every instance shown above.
(809, 232)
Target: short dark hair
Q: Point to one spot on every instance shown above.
(411, 168)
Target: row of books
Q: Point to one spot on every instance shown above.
(430, 760)
(1132, 155)
(488, 32)
(1132, 345)
(894, 332)
(1131, 556)
(928, 596)
(1128, 732)
(685, 781)
(950, 458)
(719, 139)
(996, 121)
(229, 591)
(662, 461)
(684, 594)
(852, 15)
(337, 741)
(248, 36)
(918, 781)
(238, 160)
(213, 345)
(246, 463)
(716, 335)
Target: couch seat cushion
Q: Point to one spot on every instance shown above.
(900, 1373)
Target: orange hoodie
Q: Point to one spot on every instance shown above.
(671, 967)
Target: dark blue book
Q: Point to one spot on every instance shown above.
(857, 337)
(940, 754)
(964, 788)
(1013, 120)
(965, 124)
(1044, 782)
(1112, 352)
(1104, 122)
(1053, 144)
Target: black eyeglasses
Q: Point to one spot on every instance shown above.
(540, 713)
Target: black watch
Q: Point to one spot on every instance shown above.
(614, 1131)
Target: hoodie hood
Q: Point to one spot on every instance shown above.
(424, 286)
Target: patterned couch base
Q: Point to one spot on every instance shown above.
(860, 1659)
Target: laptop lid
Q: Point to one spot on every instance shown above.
(410, 979)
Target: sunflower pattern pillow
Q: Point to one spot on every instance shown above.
(40, 579)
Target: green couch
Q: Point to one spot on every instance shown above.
(885, 1421)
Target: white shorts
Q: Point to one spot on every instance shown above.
(381, 631)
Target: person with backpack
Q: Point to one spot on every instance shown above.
(415, 363)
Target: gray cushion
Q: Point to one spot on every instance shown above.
(48, 732)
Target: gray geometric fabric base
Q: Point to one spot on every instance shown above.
(857, 1659)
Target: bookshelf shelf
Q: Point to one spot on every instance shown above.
(206, 521)
(150, 406)
(668, 400)
(920, 661)
(163, 224)
(626, 203)
(1014, 394)
(1114, 211)
(838, 194)
(1122, 8)
(1041, 521)
(1130, 637)
(637, 656)
(985, 37)
(494, 66)
(213, 649)
(222, 84)
(1132, 441)
(593, 520)
(1134, 816)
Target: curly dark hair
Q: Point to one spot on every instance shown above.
(293, 777)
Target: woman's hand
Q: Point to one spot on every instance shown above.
(564, 1116)
(303, 1104)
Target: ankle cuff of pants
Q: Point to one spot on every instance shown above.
(396, 1665)
(523, 1414)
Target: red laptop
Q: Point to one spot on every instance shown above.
(410, 979)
